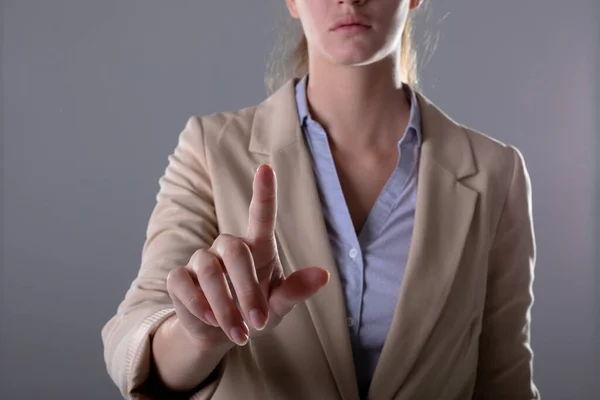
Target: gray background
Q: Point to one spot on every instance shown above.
(94, 94)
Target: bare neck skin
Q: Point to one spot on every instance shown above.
(363, 109)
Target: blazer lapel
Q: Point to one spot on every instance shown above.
(443, 217)
(301, 232)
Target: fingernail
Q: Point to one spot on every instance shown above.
(211, 319)
(257, 317)
(238, 336)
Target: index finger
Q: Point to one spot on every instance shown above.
(263, 206)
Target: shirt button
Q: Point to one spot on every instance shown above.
(353, 253)
(351, 322)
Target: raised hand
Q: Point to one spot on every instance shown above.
(240, 280)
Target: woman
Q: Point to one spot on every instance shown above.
(397, 244)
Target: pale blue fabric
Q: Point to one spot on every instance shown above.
(372, 263)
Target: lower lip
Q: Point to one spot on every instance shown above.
(351, 28)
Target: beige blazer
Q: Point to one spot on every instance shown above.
(461, 325)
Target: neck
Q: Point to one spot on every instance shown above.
(360, 107)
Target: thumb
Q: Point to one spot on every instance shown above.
(296, 288)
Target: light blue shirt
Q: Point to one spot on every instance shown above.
(372, 263)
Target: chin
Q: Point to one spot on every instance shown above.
(355, 61)
(353, 58)
(354, 53)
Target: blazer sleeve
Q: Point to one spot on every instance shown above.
(182, 221)
(505, 367)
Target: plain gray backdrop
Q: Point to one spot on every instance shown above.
(94, 94)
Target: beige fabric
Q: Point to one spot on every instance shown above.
(461, 326)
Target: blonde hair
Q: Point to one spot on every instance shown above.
(289, 63)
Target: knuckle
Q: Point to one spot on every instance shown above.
(267, 193)
(220, 240)
(234, 249)
(260, 213)
(208, 269)
(175, 277)
(246, 293)
(198, 258)
(193, 302)
(226, 245)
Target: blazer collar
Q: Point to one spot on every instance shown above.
(276, 123)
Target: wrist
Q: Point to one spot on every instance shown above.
(183, 362)
(177, 333)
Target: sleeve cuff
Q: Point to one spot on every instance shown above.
(138, 357)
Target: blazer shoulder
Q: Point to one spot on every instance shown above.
(484, 143)
(492, 154)
(217, 126)
(467, 151)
